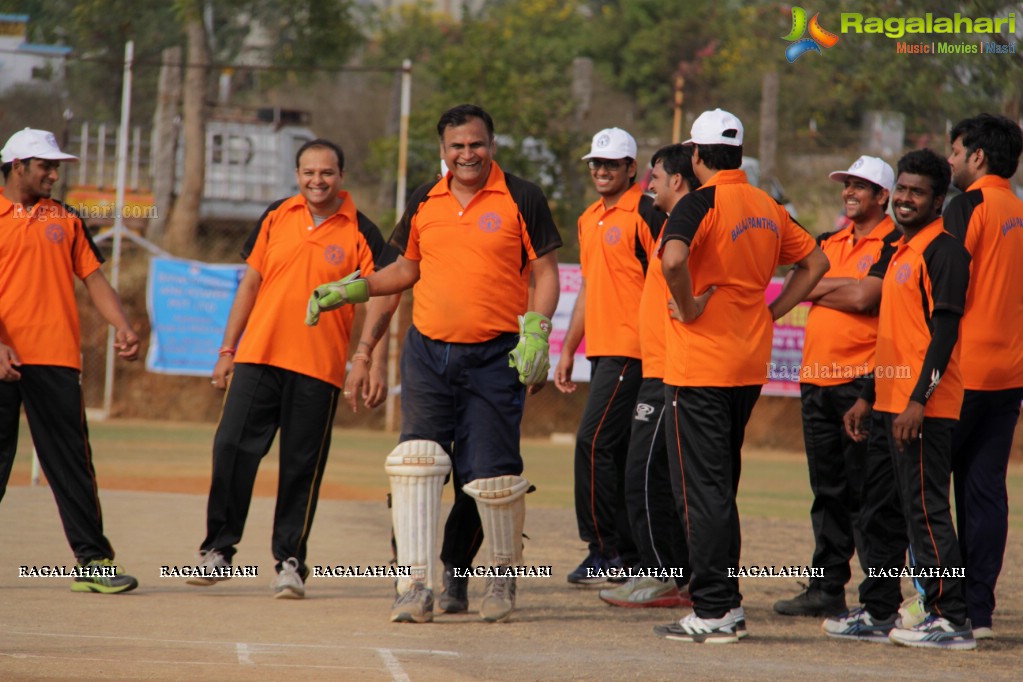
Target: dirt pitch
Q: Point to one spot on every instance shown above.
(167, 630)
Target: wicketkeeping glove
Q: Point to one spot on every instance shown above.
(333, 295)
(530, 355)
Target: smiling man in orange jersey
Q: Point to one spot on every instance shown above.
(923, 296)
(616, 238)
(853, 483)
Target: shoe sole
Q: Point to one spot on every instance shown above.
(204, 582)
(954, 646)
(663, 603)
(452, 608)
(406, 617)
(588, 582)
(102, 589)
(289, 593)
(860, 638)
(490, 614)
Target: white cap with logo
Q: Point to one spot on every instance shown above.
(714, 127)
(612, 143)
(869, 168)
(33, 144)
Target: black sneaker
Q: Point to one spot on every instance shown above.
(813, 601)
(455, 597)
(597, 569)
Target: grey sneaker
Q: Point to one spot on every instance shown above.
(645, 592)
(455, 597)
(860, 625)
(104, 577)
(415, 606)
(288, 583)
(211, 561)
(935, 632)
(498, 599)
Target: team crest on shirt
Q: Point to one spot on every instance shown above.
(55, 233)
(490, 222)
(613, 235)
(865, 263)
(643, 412)
(334, 254)
(902, 274)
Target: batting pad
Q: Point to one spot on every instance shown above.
(417, 469)
(502, 505)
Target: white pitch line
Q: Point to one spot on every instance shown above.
(244, 657)
(398, 673)
(210, 642)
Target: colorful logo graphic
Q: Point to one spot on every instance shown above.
(818, 36)
(54, 233)
(613, 235)
(334, 254)
(490, 222)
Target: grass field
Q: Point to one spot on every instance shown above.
(175, 457)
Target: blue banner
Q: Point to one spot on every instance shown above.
(188, 303)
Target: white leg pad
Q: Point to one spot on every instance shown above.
(417, 469)
(502, 505)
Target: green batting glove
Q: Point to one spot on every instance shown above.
(530, 355)
(333, 295)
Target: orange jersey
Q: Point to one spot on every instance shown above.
(653, 318)
(614, 248)
(41, 252)
(737, 236)
(926, 274)
(988, 219)
(474, 261)
(294, 256)
(835, 337)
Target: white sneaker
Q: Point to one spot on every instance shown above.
(288, 583)
(739, 614)
(935, 633)
(983, 633)
(692, 628)
(212, 562)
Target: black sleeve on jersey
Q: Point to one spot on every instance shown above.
(383, 253)
(250, 243)
(944, 327)
(821, 238)
(536, 213)
(884, 259)
(948, 267)
(652, 220)
(687, 215)
(400, 233)
(959, 211)
(85, 230)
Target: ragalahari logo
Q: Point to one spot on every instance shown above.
(818, 36)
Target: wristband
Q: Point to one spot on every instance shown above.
(362, 356)
(226, 350)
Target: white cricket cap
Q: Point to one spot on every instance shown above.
(711, 126)
(33, 144)
(612, 143)
(869, 168)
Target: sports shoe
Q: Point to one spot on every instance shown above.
(455, 597)
(415, 606)
(912, 612)
(936, 633)
(645, 592)
(498, 599)
(211, 561)
(859, 624)
(739, 614)
(100, 581)
(812, 601)
(692, 628)
(596, 568)
(983, 633)
(288, 583)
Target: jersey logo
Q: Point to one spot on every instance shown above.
(902, 274)
(865, 263)
(490, 222)
(613, 235)
(935, 380)
(334, 254)
(55, 233)
(643, 412)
